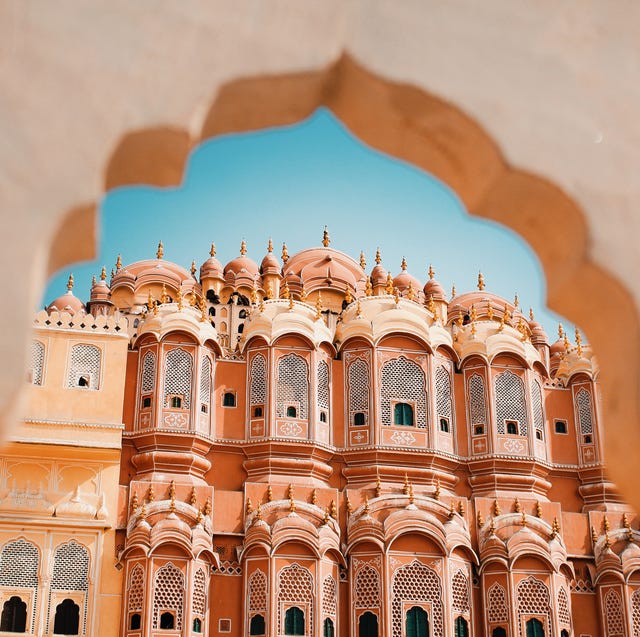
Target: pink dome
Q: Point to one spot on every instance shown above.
(270, 264)
(403, 280)
(150, 271)
(434, 289)
(211, 268)
(67, 303)
(378, 275)
(538, 335)
(241, 265)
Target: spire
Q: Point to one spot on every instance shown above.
(270, 246)
(118, 263)
(480, 281)
(325, 238)
(93, 280)
(432, 272)
(389, 287)
(531, 317)
(453, 290)
(70, 283)
(347, 295)
(103, 273)
(378, 257)
(160, 252)
(212, 252)
(516, 300)
(579, 342)
(368, 288)
(319, 307)
(560, 331)
(403, 265)
(193, 268)
(243, 247)
(363, 261)
(285, 254)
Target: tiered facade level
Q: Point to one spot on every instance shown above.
(308, 447)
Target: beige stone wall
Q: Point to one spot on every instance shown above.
(554, 85)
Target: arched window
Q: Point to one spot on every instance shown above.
(37, 362)
(291, 412)
(256, 627)
(323, 416)
(564, 633)
(197, 625)
(368, 625)
(499, 632)
(292, 385)
(67, 618)
(229, 399)
(535, 628)
(358, 381)
(135, 621)
(167, 620)
(403, 414)
(327, 630)
(461, 627)
(178, 377)
(403, 381)
(205, 383)
(84, 366)
(294, 621)
(240, 328)
(14, 616)
(510, 402)
(242, 314)
(358, 419)
(417, 622)
(257, 412)
(444, 400)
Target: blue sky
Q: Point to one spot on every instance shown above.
(287, 184)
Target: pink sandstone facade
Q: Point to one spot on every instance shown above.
(309, 447)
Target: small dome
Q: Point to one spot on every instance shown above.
(270, 264)
(211, 267)
(434, 289)
(538, 335)
(241, 265)
(100, 290)
(403, 280)
(378, 275)
(68, 302)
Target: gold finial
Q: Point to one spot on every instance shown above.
(203, 310)
(160, 251)
(172, 505)
(405, 486)
(480, 519)
(378, 257)
(378, 487)
(292, 505)
(319, 307)
(193, 268)
(290, 492)
(473, 316)
(143, 511)
(492, 527)
(516, 506)
(113, 273)
(207, 507)
(502, 322)
(348, 504)
(363, 261)
(432, 272)
(396, 296)
(134, 502)
(431, 305)
(291, 301)
(538, 509)
(243, 247)
(411, 294)
(180, 298)
(480, 281)
(452, 510)
(70, 283)
(193, 497)
(389, 287)
(325, 520)
(579, 342)
(269, 494)
(212, 252)
(149, 300)
(567, 345)
(303, 294)
(254, 295)
(490, 310)
(358, 309)
(155, 308)
(555, 527)
(164, 297)
(507, 314)
(516, 300)
(411, 496)
(403, 265)
(333, 510)
(258, 515)
(118, 263)
(366, 505)
(524, 518)
(347, 295)
(531, 317)
(285, 254)
(172, 489)
(436, 493)
(607, 541)
(151, 494)
(594, 535)
(625, 521)
(314, 497)
(453, 290)
(325, 238)
(261, 306)
(103, 274)
(605, 523)
(496, 508)
(285, 291)
(461, 508)
(193, 299)
(560, 330)
(270, 246)
(368, 290)
(249, 508)
(93, 280)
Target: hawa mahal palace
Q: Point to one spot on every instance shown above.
(306, 446)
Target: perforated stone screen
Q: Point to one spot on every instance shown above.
(168, 594)
(19, 565)
(635, 612)
(323, 385)
(293, 386)
(585, 418)
(367, 588)
(258, 372)
(205, 380)
(257, 591)
(613, 613)
(148, 380)
(497, 604)
(329, 597)
(295, 584)
(403, 380)
(37, 362)
(533, 597)
(70, 568)
(536, 405)
(358, 386)
(443, 394)
(416, 582)
(510, 401)
(477, 403)
(199, 599)
(178, 376)
(564, 616)
(136, 589)
(84, 362)
(460, 590)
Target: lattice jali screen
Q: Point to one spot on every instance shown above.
(510, 401)
(460, 592)
(329, 597)
(70, 568)
(536, 405)
(416, 582)
(205, 380)
(19, 565)
(199, 598)
(257, 591)
(403, 380)
(84, 362)
(293, 386)
(613, 613)
(477, 403)
(635, 612)
(37, 362)
(295, 584)
(258, 372)
(564, 616)
(443, 394)
(168, 593)
(585, 418)
(367, 588)
(323, 385)
(533, 597)
(178, 375)
(497, 604)
(358, 386)
(135, 600)
(148, 380)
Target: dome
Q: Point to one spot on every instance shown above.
(270, 264)
(538, 335)
(432, 288)
(67, 302)
(378, 275)
(100, 290)
(403, 280)
(211, 267)
(150, 271)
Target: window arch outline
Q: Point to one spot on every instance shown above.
(84, 367)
